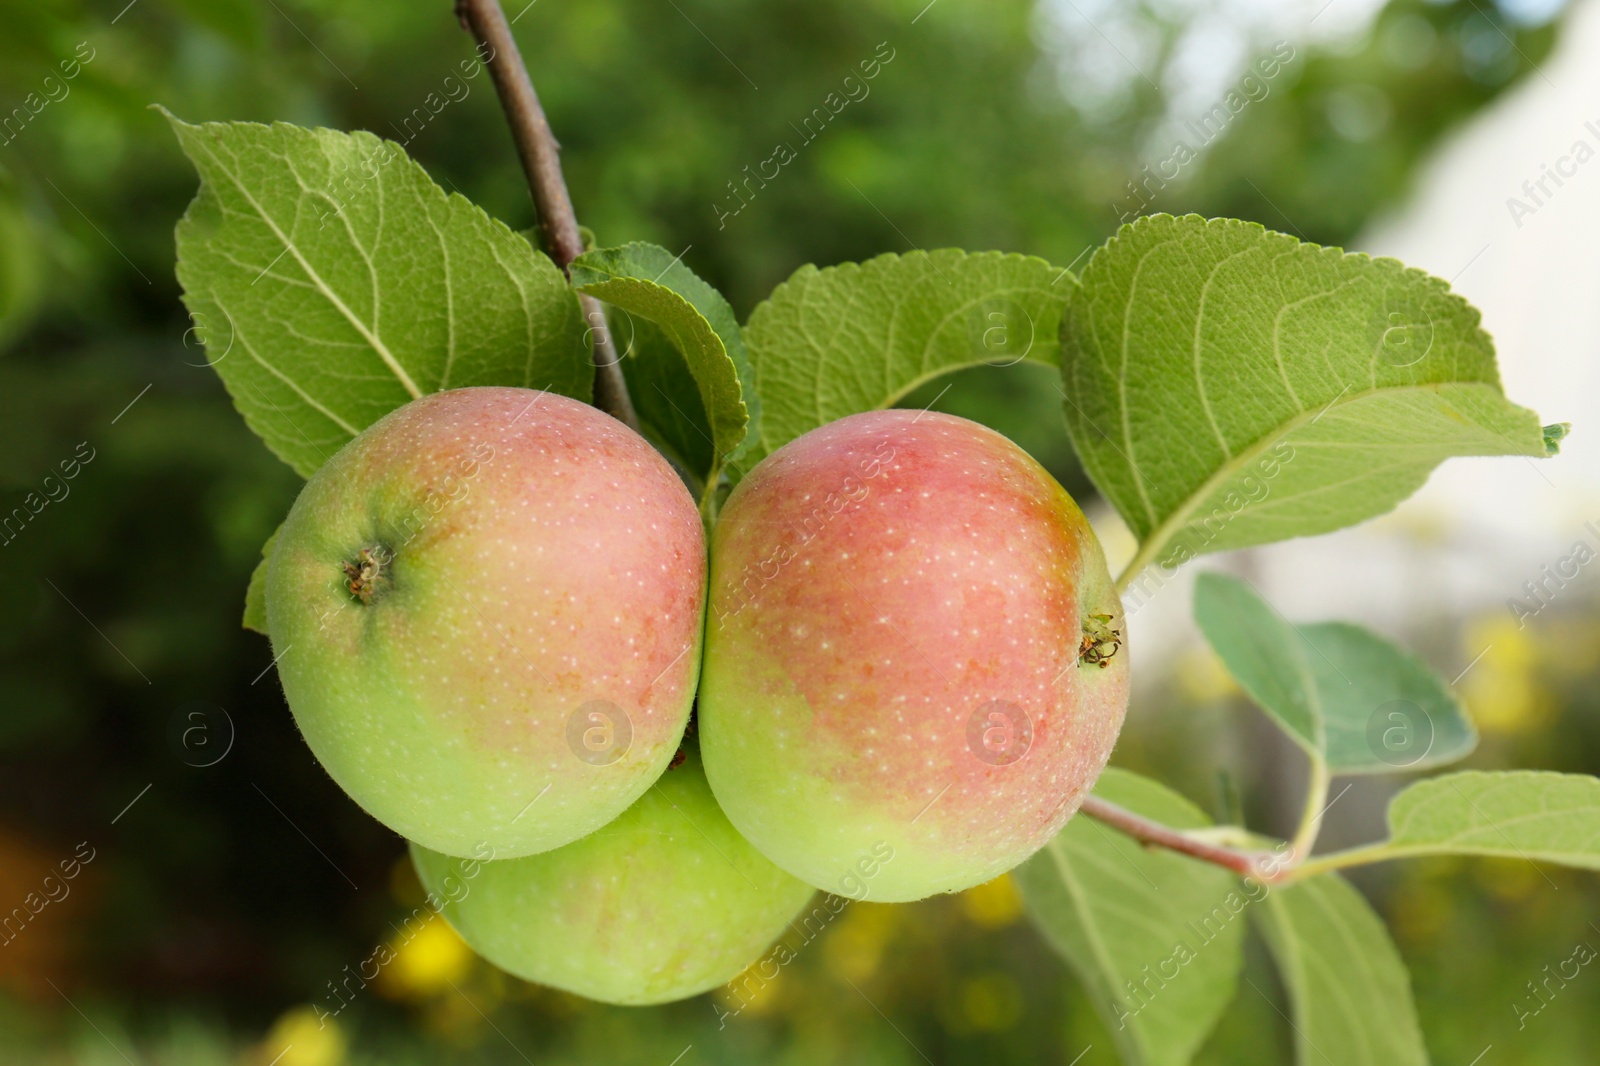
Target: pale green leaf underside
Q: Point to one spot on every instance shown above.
(859, 336)
(648, 281)
(1229, 386)
(1520, 814)
(1343, 693)
(1263, 652)
(255, 597)
(1111, 908)
(1348, 987)
(333, 281)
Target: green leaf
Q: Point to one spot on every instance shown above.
(332, 281)
(1343, 693)
(1520, 814)
(859, 336)
(255, 597)
(1153, 936)
(665, 395)
(1349, 991)
(650, 282)
(1229, 386)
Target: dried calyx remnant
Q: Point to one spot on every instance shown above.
(367, 574)
(1100, 641)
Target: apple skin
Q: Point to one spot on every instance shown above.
(534, 555)
(880, 588)
(666, 902)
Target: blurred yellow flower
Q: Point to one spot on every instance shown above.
(1501, 689)
(1512, 646)
(1419, 909)
(754, 991)
(993, 904)
(1203, 678)
(1571, 645)
(855, 947)
(299, 1038)
(1509, 880)
(427, 961)
(991, 1002)
(1422, 525)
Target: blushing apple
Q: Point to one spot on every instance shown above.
(665, 902)
(486, 611)
(913, 641)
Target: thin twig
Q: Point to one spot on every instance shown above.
(541, 162)
(1258, 864)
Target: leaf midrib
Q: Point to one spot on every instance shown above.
(1097, 947)
(1339, 995)
(1152, 545)
(316, 279)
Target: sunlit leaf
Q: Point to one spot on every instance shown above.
(1229, 386)
(332, 281)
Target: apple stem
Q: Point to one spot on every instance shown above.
(539, 152)
(1262, 865)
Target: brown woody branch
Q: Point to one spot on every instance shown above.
(540, 155)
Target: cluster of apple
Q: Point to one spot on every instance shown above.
(495, 610)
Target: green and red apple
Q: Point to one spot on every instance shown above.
(912, 645)
(486, 611)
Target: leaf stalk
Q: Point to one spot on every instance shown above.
(1246, 863)
(1305, 835)
(1279, 866)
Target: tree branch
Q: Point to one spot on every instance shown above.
(541, 162)
(1262, 865)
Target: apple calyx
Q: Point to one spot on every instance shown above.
(1100, 641)
(366, 573)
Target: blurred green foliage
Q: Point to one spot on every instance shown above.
(221, 900)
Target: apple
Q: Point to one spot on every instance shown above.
(665, 902)
(486, 612)
(913, 645)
